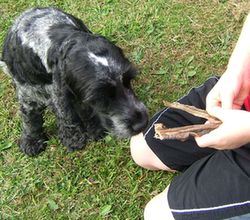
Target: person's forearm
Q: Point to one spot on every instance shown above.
(240, 58)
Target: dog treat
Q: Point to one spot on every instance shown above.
(192, 110)
(184, 132)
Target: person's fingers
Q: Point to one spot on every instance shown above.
(239, 101)
(226, 100)
(204, 141)
(212, 138)
(212, 99)
(208, 140)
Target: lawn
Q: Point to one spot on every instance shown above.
(176, 44)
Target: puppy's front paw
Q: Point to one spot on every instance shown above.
(75, 143)
(32, 146)
(72, 137)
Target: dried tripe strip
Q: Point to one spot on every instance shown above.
(185, 132)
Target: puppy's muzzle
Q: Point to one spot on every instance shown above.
(139, 119)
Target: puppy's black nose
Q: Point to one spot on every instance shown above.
(139, 121)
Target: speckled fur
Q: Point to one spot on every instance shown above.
(55, 61)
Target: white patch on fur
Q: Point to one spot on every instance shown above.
(5, 68)
(120, 129)
(38, 39)
(98, 59)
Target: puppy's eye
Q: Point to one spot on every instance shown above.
(126, 81)
(111, 91)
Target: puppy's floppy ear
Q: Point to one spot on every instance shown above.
(58, 53)
(57, 61)
(65, 48)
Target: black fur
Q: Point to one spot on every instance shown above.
(56, 61)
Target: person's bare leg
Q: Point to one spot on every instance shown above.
(144, 156)
(158, 208)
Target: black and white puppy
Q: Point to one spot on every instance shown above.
(56, 61)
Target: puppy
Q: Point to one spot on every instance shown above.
(55, 60)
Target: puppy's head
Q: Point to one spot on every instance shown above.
(100, 75)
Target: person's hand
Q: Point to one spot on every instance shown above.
(232, 133)
(230, 91)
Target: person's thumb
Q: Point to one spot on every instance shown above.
(217, 112)
(204, 140)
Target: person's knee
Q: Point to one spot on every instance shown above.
(137, 149)
(158, 208)
(144, 156)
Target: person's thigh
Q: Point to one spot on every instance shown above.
(152, 153)
(215, 187)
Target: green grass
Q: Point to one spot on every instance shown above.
(176, 45)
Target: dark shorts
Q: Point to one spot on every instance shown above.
(213, 184)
